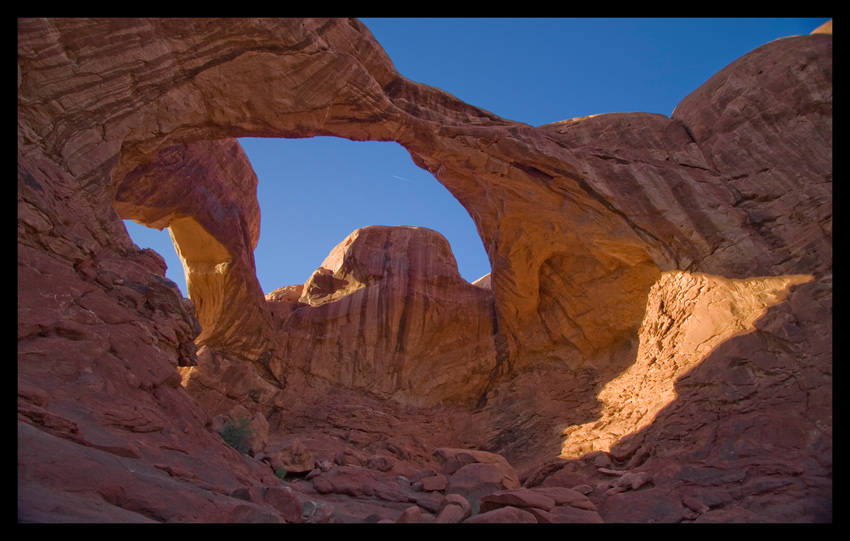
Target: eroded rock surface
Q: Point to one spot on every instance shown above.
(589, 225)
(215, 232)
(388, 312)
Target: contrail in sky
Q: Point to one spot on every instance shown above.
(402, 178)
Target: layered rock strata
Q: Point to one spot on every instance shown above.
(579, 218)
(388, 312)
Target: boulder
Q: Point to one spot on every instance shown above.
(318, 513)
(453, 459)
(359, 482)
(453, 509)
(434, 483)
(284, 502)
(565, 515)
(503, 515)
(474, 481)
(566, 496)
(292, 455)
(518, 497)
(411, 515)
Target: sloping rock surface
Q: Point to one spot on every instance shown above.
(598, 230)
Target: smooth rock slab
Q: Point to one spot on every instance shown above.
(564, 514)
(503, 515)
(520, 497)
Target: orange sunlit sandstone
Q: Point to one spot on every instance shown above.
(688, 315)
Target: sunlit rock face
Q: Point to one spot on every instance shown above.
(723, 212)
(687, 317)
(388, 312)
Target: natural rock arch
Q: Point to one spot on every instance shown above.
(515, 272)
(215, 228)
(737, 184)
(627, 248)
(612, 222)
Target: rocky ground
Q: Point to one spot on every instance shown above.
(351, 459)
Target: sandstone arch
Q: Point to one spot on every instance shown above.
(610, 208)
(215, 231)
(480, 180)
(736, 184)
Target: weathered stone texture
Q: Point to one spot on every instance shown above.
(215, 232)
(691, 255)
(388, 312)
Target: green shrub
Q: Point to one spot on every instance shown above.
(280, 472)
(237, 434)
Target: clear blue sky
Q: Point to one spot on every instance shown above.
(314, 192)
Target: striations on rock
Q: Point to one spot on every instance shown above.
(413, 328)
(661, 291)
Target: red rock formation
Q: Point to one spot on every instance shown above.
(579, 218)
(215, 233)
(388, 312)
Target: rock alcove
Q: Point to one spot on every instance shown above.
(688, 258)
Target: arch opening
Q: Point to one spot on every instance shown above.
(315, 191)
(306, 210)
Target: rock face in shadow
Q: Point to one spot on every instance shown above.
(215, 231)
(585, 222)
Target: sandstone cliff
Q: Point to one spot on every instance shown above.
(389, 313)
(659, 310)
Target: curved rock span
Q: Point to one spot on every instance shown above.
(659, 304)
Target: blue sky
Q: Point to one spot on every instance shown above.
(314, 192)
